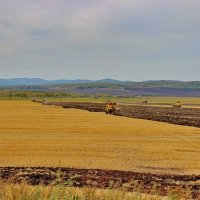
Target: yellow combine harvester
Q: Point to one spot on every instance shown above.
(177, 104)
(110, 108)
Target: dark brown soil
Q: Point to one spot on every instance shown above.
(131, 181)
(143, 182)
(92, 107)
(180, 116)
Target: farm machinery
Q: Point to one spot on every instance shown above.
(177, 104)
(110, 108)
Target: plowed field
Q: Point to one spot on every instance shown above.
(105, 179)
(180, 116)
(53, 139)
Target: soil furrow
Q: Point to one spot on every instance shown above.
(131, 181)
(179, 116)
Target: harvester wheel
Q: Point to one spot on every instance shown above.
(110, 112)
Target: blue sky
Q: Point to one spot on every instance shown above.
(89, 39)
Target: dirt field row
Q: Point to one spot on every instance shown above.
(180, 116)
(131, 181)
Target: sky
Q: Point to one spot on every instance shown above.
(88, 39)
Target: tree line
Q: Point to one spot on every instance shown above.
(44, 94)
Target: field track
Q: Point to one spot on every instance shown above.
(132, 181)
(180, 116)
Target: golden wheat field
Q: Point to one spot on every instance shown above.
(32, 134)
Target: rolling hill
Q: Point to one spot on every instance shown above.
(106, 86)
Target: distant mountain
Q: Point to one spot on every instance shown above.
(22, 81)
(106, 86)
(37, 81)
(108, 80)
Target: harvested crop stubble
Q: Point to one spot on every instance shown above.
(35, 135)
(180, 116)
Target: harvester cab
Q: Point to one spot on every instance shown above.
(110, 107)
(177, 104)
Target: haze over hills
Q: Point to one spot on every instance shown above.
(147, 83)
(105, 86)
(35, 81)
(38, 81)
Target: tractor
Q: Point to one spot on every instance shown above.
(177, 104)
(110, 108)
